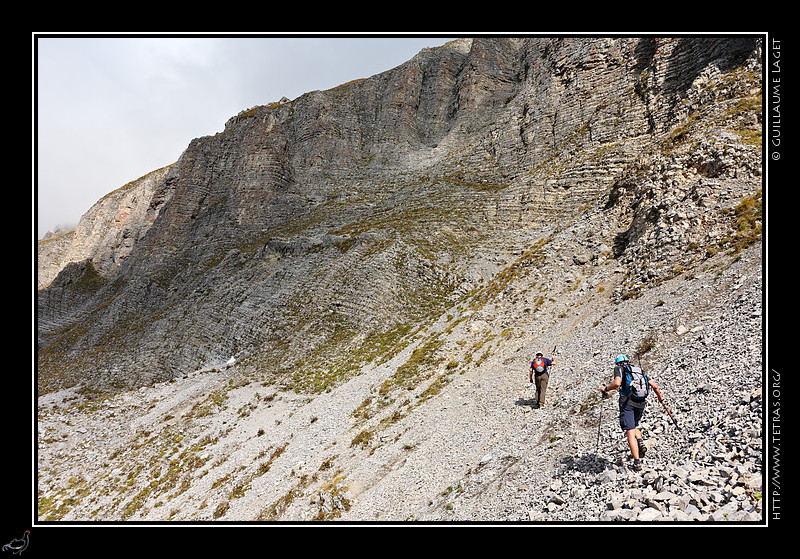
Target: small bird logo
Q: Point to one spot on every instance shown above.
(18, 545)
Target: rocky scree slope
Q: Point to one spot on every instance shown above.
(373, 264)
(464, 445)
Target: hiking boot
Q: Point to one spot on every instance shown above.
(642, 449)
(637, 465)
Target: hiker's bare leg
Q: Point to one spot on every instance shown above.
(633, 443)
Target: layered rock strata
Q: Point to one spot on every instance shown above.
(347, 213)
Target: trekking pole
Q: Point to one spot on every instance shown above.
(599, 422)
(669, 413)
(666, 409)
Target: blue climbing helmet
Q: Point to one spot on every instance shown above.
(621, 358)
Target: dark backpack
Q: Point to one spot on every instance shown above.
(634, 382)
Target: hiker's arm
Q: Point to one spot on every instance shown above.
(613, 386)
(657, 391)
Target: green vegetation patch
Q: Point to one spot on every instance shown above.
(748, 222)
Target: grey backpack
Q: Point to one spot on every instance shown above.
(635, 383)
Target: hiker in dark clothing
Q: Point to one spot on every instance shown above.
(540, 373)
(632, 396)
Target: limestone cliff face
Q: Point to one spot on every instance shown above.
(106, 234)
(312, 234)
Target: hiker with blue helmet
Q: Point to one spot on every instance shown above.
(634, 386)
(540, 373)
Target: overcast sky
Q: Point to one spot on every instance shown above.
(109, 110)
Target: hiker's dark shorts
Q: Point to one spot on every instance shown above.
(629, 416)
